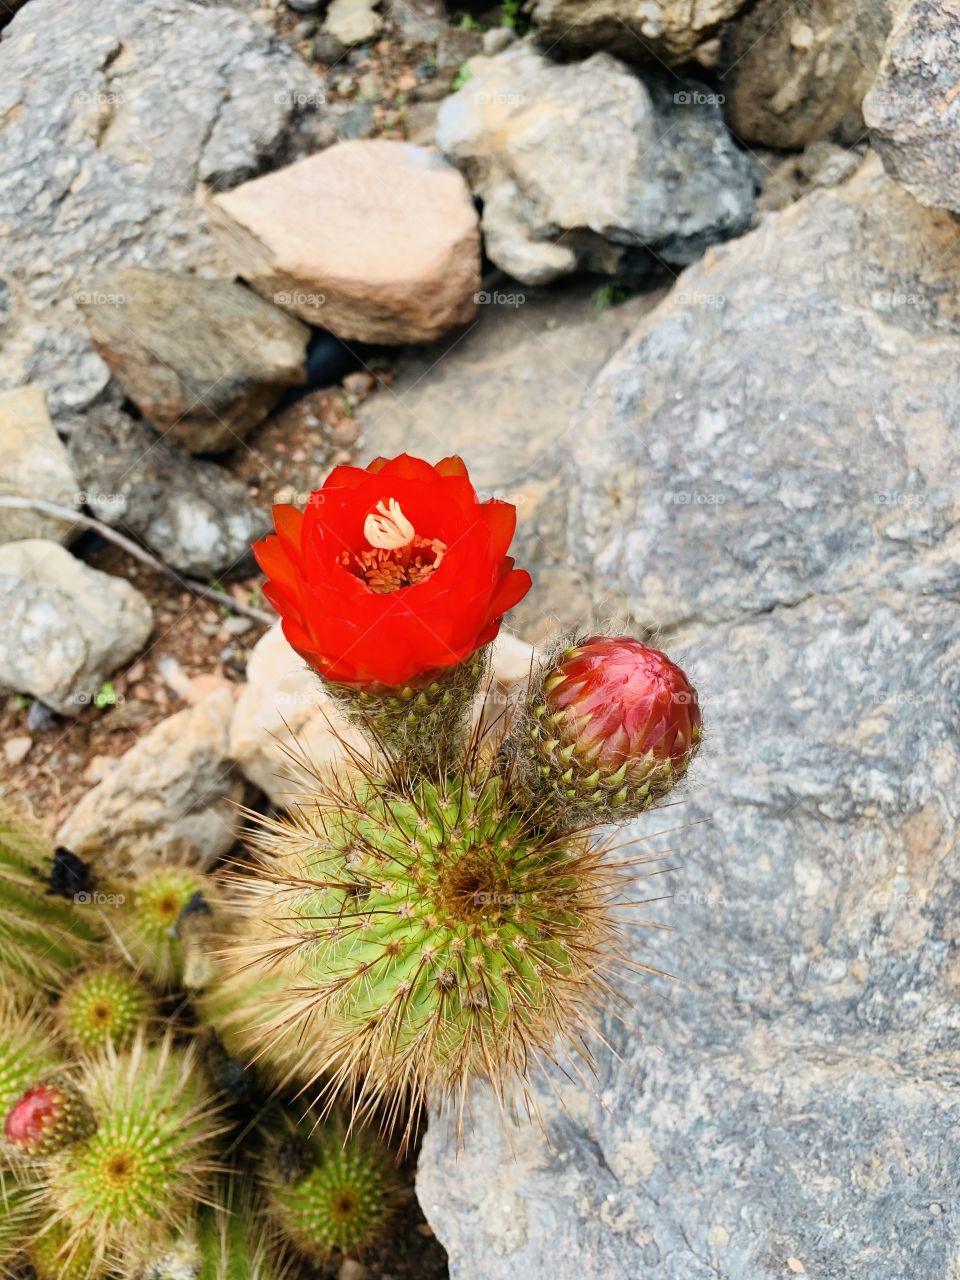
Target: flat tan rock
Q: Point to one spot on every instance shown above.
(33, 464)
(203, 360)
(173, 797)
(376, 241)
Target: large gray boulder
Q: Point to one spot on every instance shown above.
(792, 1108)
(584, 165)
(911, 107)
(111, 114)
(791, 409)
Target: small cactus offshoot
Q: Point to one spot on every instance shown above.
(147, 1165)
(57, 1253)
(331, 1191)
(148, 923)
(46, 1118)
(103, 1005)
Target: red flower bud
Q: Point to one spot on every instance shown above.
(46, 1118)
(393, 574)
(615, 725)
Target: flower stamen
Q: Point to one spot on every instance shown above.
(398, 555)
(390, 529)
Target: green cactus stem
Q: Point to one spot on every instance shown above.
(330, 1190)
(46, 928)
(142, 1173)
(426, 935)
(103, 1004)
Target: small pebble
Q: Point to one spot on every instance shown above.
(17, 749)
(237, 625)
(497, 39)
(303, 6)
(359, 383)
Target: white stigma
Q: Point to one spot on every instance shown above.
(390, 529)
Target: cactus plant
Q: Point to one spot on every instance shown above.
(101, 1004)
(147, 1165)
(331, 1191)
(44, 932)
(427, 934)
(57, 1253)
(147, 925)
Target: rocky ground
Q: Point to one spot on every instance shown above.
(681, 283)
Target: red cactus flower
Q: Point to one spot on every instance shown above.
(45, 1118)
(623, 703)
(394, 573)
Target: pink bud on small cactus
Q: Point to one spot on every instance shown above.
(613, 727)
(46, 1118)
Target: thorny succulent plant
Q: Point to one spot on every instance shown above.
(440, 910)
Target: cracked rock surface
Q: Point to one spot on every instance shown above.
(791, 1107)
(101, 159)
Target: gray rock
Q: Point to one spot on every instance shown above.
(792, 407)
(105, 133)
(419, 21)
(584, 166)
(795, 73)
(795, 1102)
(203, 360)
(511, 389)
(497, 39)
(793, 1107)
(655, 31)
(353, 21)
(66, 627)
(911, 108)
(33, 464)
(193, 514)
